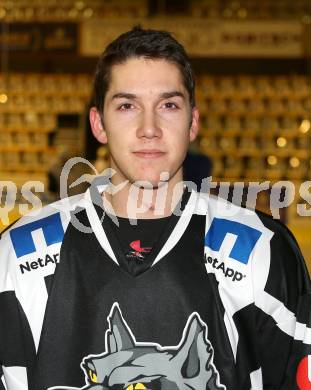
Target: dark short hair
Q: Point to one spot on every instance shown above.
(138, 42)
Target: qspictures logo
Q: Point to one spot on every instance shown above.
(282, 194)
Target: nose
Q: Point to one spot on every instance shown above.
(149, 126)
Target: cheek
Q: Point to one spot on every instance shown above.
(173, 119)
(180, 139)
(120, 134)
(117, 133)
(117, 119)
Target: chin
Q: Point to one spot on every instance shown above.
(147, 184)
(148, 181)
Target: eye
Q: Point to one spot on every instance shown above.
(138, 386)
(125, 106)
(92, 376)
(170, 105)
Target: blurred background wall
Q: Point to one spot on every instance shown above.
(252, 60)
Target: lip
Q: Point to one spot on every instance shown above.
(149, 154)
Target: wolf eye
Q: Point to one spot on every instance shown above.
(138, 386)
(93, 376)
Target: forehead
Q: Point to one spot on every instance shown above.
(138, 74)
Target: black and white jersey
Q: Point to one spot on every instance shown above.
(225, 304)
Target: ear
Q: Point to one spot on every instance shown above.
(195, 352)
(119, 337)
(97, 126)
(194, 124)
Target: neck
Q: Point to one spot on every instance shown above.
(134, 202)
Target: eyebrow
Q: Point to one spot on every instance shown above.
(123, 95)
(168, 95)
(131, 96)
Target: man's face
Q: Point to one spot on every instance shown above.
(147, 119)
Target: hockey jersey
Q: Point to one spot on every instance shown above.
(226, 303)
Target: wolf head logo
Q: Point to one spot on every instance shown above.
(130, 365)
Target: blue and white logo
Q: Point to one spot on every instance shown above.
(246, 238)
(22, 239)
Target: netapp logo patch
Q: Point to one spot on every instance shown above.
(228, 272)
(22, 239)
(246, 238)
(30, 266)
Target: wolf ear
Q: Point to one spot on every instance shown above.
(119, 337)
(195, 351)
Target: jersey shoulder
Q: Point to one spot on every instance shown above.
(219, 211)
(253, 225)
(30, 245)
(252, 255)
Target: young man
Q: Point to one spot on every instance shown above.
(156, 286)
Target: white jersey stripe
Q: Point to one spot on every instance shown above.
(98, 229)
(302, 333)
(15, 378)
(2, 380)
(285, 319)
(35, 291)
(232, 333)
(256, 380)
(180, 227)
(275, 308)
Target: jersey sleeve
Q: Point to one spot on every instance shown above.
(1, 379)
(284, 318)
(17, 352)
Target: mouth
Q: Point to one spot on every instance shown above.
(149, 154)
